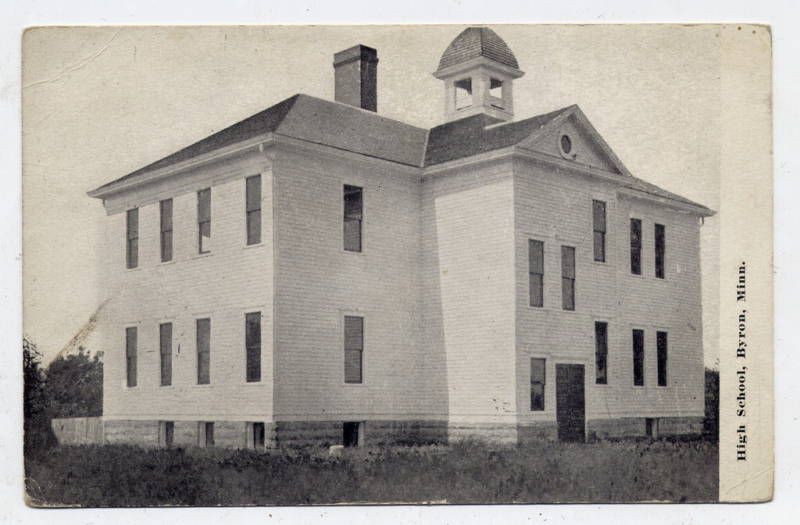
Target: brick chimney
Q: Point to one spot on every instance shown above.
(356, 72)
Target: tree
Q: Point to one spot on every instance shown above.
(75, 385)
(36, 423)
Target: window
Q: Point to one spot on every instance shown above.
(638, 357)
(165, 350)
(203, 351)
(132, 238)
(253, 198)
(253, 346)
(166, 433)
(537, 384)
(256, 435)
(496, 92)
(353, 349)
(599, 227)
(204, 220)
(536, 272)
(130, 356)
(463, 93)
(660, 234)
(661, 350)
(601, 353)
(353, 215)
(166, 230)
(568, 277)
(636, 246)
(205, 434)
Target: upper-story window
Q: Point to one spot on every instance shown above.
(165, 208)
(253, 198)
(536, 272)
(132, 238)
(204, 220)
(463, 94)
(660, 248)
(568, 277)
(599, 228)
(636, 246)
(353, 216)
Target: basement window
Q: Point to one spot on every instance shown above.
(463, 93)
(351, 433)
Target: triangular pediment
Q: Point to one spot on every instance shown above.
(571, 137)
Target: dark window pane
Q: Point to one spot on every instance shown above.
(253, 192)
(660, 248)
(203, 351)
(638, 357)
(568, 277)
(253, 227)
(353, 215)
(537, 383)
(601, 353)
(166, 246)
(204, 239)
(166, 230)
(130, 355)
(253, 198)
(536, 272)
(132, 238)
(536, 256)
(165, 351)
(536, 289)
(204, 220)
(661, 344)
(599, 246)
(209, 431)
(253, 346)
(353, 349)
(599, 228)
(636, 246)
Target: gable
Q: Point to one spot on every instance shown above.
(585, 145)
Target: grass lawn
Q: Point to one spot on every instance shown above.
(624, 471)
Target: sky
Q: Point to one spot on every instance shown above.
(101, 102)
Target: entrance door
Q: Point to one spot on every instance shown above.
(570, 402)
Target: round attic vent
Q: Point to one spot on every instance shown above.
(566, 147)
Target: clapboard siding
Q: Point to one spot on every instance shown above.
(223, 285)
(469, 287)
(318, 283)
(555, 207)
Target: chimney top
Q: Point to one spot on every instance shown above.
(356, 77)
(358, 51)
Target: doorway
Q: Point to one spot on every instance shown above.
(350, 432)
(570, 403)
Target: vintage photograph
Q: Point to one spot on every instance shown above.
(278, 265)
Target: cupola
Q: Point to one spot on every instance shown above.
(478, 69)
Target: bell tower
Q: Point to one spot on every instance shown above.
(478, 70)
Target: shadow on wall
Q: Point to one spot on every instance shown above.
(711, 422)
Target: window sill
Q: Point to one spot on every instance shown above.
(353, 384)
(166, 263)
(136, 269)
(253, 246)
(202, 255)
